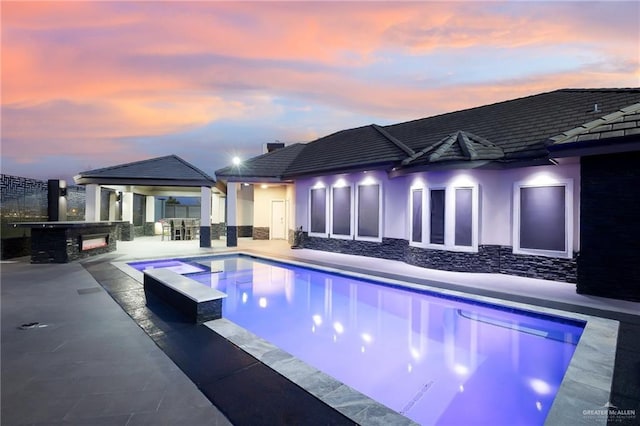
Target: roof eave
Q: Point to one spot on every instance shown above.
(466, 165)
(387, 165)
(254, 179)
(595, 147)
(88, 180)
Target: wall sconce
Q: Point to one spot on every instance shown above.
(63, 192)
(118, 197)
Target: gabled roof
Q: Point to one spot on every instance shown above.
(270, 165)
(169, 170)
(459, 146)
(502, 134)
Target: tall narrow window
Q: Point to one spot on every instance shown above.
(436, 228)
(341, 214)
(318, 211)
(416, 215)
(464, 217)
(369, 211)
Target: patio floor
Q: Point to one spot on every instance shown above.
(87, 361)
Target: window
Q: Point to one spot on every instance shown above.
(543, 216)
(464, 217)
(369, 212)
(341, 212)
(444, 217)
(436, 215)
(416, 215)
(318, 212)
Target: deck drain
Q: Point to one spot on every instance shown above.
(30, 325)
(89, 290)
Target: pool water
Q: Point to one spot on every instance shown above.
(437, 360)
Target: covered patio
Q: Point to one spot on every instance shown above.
(137, 194)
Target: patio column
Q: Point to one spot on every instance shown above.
(113, 207)
(150, 215)
(92, 203)
(232, 219)
(127, 207)
(57, 200)
(215, 217)
(205, 216)
(127, 232)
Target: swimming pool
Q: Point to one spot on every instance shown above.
(437, 360)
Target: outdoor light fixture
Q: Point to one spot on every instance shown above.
(63, 192)
(118, 197)
(236, 161)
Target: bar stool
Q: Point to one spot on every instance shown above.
(188, 229)
(176, 231)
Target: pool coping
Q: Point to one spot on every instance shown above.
(583, 396)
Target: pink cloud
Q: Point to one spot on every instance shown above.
(79, 78)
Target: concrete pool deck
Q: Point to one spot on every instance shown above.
(67, 372)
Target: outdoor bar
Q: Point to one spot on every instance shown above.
(66, 241)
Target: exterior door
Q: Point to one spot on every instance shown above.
(278, 220)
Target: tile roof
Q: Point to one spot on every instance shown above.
(500, 133)
(622, 123)
(168, 169)
(347, 149)
(520, 127)
(270, 165)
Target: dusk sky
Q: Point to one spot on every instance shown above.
(87, 85)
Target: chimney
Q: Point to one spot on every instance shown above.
(272, 146)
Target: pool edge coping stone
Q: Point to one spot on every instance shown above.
(355, 405)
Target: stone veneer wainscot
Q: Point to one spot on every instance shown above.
(488, 259)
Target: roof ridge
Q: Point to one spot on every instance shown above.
(397, 142)
(159, 170)
(600, 89)
(626, 89)
(132, 163)
(191, 166)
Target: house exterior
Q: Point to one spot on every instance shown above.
(544, 186)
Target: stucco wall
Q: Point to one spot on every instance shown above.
(290, 194)
(245, 205)
(492, 249)
(262, 198)
(495, 197)
(396, 204)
